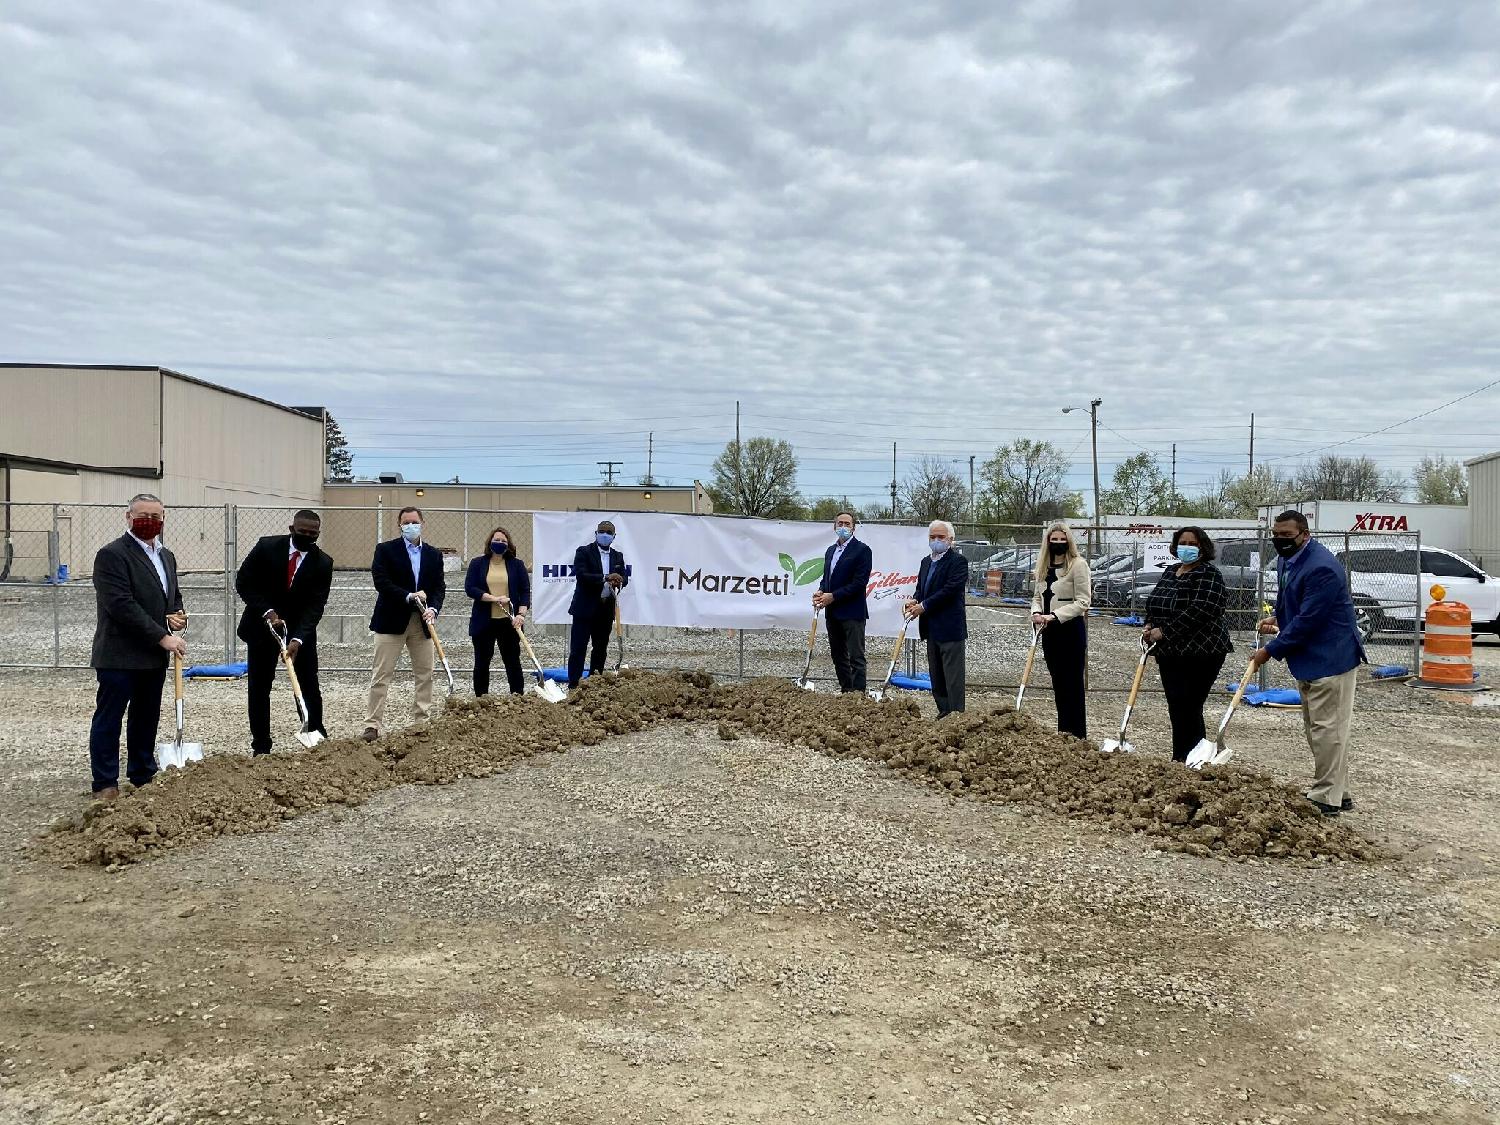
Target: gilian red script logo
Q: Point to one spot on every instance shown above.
(887, 584)
(1374, 521)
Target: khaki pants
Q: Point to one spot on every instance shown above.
(1327, 713)
(388, 648)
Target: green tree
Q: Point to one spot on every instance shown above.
(758, 478)
(1438, 480)
(1138, 487)
(339, 461)
(934, 491)
(825, 508)
(1023, 484)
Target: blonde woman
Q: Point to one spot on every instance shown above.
(1059, 607)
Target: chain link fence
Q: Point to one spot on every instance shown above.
(47, 607)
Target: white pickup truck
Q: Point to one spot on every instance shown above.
(1391, 594)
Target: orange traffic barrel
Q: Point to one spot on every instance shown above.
(994, 583)
(1448, 647)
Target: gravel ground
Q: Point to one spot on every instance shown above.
(668, 926)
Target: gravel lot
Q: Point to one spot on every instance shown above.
(668, 926)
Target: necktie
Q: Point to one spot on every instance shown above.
(291, 568)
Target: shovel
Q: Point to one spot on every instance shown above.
(1036, 635)
(437, 641)
(307, 736)
(1119, 745)
(547, 689)
(877, 694)
(1215, 753)
(177, 752)
(812, 635)
(619, 639)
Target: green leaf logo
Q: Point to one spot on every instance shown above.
(788, 564)
(810, 571)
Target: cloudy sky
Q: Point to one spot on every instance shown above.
(507, 240)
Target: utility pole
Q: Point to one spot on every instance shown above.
(1174, 478)
(739, 474)
(1094, 438)
(649, 442)
(1251, 473)
(893, 480)
(608, 471)
(973, 518)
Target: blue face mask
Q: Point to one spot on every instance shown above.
(499, 546)
(938, 546)
(1187, 554)
(604, 539)
(843, 533)
(411, 532)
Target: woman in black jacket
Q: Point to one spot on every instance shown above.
(498, 581)
(1185, 620)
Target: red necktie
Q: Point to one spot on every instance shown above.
(291, 568)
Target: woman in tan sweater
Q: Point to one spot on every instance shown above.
(1059, 607)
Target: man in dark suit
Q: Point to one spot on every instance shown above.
(841, 595)
(599, 571)
(284, 582)
(140, 613)
(942, 620)
(409, 590)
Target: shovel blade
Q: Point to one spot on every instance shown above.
(309, 738)
(192, 752)
(1203, 754)
(807, 685)
(877, 693)
(551, 691)
(1115, 746)
(167, 756)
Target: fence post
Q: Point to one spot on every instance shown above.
(1417, 619)
(1260, 600)
(231, 552)
(53, 554)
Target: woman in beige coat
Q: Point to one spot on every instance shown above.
(1059, 608)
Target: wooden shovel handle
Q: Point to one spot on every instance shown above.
(1239, 693)
(1036, 636)
(812, 632)
(619, 626)
(177, 676)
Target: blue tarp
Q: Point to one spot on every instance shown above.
(1130, 619)
(1389, 672)
(559, 675)
(919, 682)
(1288, 696)
(219, 671)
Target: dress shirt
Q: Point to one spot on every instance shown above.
(153, 552)
(608, 591)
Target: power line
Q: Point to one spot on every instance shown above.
(1393, 425)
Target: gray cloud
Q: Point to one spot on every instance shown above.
(558, 226)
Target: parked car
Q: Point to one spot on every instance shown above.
(1392, 587)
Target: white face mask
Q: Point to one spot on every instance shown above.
(411, 532)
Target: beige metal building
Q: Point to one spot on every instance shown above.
(1484, 510)
(98, 435)
(77, 441)
(460, 516)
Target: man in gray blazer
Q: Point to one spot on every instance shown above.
(140, 614)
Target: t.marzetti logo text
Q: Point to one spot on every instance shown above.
(769, 585)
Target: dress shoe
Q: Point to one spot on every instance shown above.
(1326, 810)
(370, 734)
(110, 794)
(1346, 805)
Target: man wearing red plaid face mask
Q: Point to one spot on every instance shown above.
(140, 615)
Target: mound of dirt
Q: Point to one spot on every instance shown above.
(998, 755)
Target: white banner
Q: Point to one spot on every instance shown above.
(717, 572)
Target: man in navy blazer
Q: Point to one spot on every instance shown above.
(1315, 631)
(409, 590)
(140, 615)
(600, 575)
(942, 619)
(841, 595)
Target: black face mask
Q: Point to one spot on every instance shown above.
(1285, 547)
(304, 543)
(1058, 550)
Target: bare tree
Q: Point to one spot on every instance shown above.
(1331, 477)
(758, 478)
(934, 491)
(825, 508)
(1438, 480)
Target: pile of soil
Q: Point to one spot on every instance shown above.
(999, 755)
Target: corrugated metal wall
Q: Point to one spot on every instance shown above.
(1484, 512)
(95, 416)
